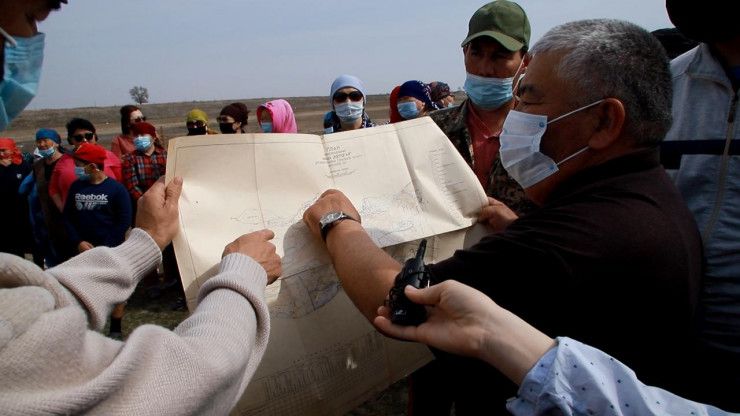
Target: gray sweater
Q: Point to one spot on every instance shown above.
(53, 362)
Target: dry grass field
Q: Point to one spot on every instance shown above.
(170, 121)
(169, 118)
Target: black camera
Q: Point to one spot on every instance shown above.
(414, 273)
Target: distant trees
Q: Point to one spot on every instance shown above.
(139, 94)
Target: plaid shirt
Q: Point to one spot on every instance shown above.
(140, 171)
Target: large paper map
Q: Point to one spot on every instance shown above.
(406, 180)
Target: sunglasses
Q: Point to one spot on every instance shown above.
(138, 119)
(195, 124)
(341, 97)
(83, 137)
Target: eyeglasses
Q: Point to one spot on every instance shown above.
(341, 97)
(83, 137)
(138, 119)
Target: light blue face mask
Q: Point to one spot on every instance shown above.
(408, 110)
(23, 60)
(47, 153)
(349, 111)
(489, 93)
(81, 174)
(266, 127)
(142, 142)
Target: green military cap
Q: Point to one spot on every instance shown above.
(502, 20)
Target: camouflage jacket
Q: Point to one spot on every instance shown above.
(500, 185)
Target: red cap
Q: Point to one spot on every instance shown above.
(139, 129)
(90, 153)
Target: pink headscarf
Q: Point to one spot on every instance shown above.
(283, 120)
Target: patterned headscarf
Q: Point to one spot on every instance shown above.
(420, 91)
(440, 90)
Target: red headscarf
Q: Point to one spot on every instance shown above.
(394, 114)
(15, 153)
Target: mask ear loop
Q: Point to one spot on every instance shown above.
(518, 75)
(7, 36)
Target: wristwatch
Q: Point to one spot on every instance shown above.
(331, 218)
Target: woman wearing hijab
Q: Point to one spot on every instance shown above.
(394, 116)
(348, 99)
(415, 100)
(441, 94)
(276, 117)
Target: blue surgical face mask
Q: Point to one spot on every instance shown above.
(520, 146)
(266, 126)
(488, 93)
(408, 110)
(142, 142)
(47, 153)
(23, 60)
(81, 174)
(349, 111)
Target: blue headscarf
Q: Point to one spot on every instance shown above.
(420, 91)
(48, 134)
(346, 81)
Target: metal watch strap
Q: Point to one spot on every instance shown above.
(326, 227)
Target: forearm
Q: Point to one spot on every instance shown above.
(201, 367)
(57, 200)
(512, 345)
(366, 272)
(102, 277)
(575, 377)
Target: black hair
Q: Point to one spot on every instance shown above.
(77, 124)
(126, 111)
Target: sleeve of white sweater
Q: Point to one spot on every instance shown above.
(204, 365)
(59, 366)
(102, 277)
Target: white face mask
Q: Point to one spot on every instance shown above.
(520, 146)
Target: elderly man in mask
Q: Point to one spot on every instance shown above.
(611, 256)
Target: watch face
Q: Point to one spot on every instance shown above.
(329, 218)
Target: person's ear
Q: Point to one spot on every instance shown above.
(610, 125)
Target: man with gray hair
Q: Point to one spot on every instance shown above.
(611, 256)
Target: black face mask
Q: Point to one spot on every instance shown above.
(226, 128)
(196, 131)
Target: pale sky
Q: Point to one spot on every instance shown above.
(188, 50)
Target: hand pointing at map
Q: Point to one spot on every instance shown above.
(257, 245)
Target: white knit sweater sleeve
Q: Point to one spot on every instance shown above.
(53, 364)
(204, 365)
(102, 277)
